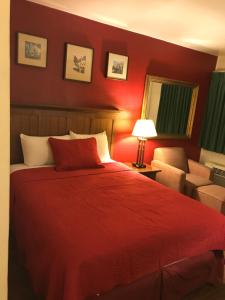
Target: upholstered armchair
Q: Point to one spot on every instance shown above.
(179, 173)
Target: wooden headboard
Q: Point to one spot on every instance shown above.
(50, 120)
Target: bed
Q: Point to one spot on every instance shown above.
(108, 233)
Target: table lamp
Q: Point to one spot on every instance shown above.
(143, 129)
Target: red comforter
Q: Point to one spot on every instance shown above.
(84, 232)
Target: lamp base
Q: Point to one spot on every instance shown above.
(137, 165)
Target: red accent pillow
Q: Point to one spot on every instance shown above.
(75, 154)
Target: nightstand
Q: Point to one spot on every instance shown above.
(149, 171)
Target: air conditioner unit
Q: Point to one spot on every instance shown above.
(218, 173)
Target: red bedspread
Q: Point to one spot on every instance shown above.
(85, 232)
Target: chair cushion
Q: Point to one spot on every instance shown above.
(212, 195)
(193, 181)
(174, 156)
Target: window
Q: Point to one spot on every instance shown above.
(213, 131)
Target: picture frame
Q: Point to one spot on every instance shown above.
(117, 66)
(78, 63)
(31, 50)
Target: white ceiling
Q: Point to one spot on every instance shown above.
(196, 24)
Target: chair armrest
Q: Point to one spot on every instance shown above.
(199, 169)
(169, 175)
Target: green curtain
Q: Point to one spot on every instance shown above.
(213, 130)
(175, 101)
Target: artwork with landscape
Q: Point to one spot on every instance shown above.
(32, 50)
(117, 66)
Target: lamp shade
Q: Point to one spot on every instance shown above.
(144, 129)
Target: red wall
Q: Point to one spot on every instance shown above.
(146, 55)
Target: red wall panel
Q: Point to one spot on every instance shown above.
(146, 55)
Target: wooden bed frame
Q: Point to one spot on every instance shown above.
(52, 120)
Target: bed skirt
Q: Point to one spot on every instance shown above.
(174, 281)
(171, 282)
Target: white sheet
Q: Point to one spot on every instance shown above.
(16, 167)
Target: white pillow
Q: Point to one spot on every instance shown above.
(102, 144)
(36, 149)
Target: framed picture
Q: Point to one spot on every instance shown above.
(78, 63)
(117, 66)
(32, 50)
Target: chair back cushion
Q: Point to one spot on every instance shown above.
(174, 156)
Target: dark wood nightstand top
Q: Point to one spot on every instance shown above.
(148, 169)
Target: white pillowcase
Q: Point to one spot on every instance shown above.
(36, 149)
(102, 144)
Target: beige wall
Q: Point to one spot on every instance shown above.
(220, 63)
(212, 159)
(209, 156)
(4, 145)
